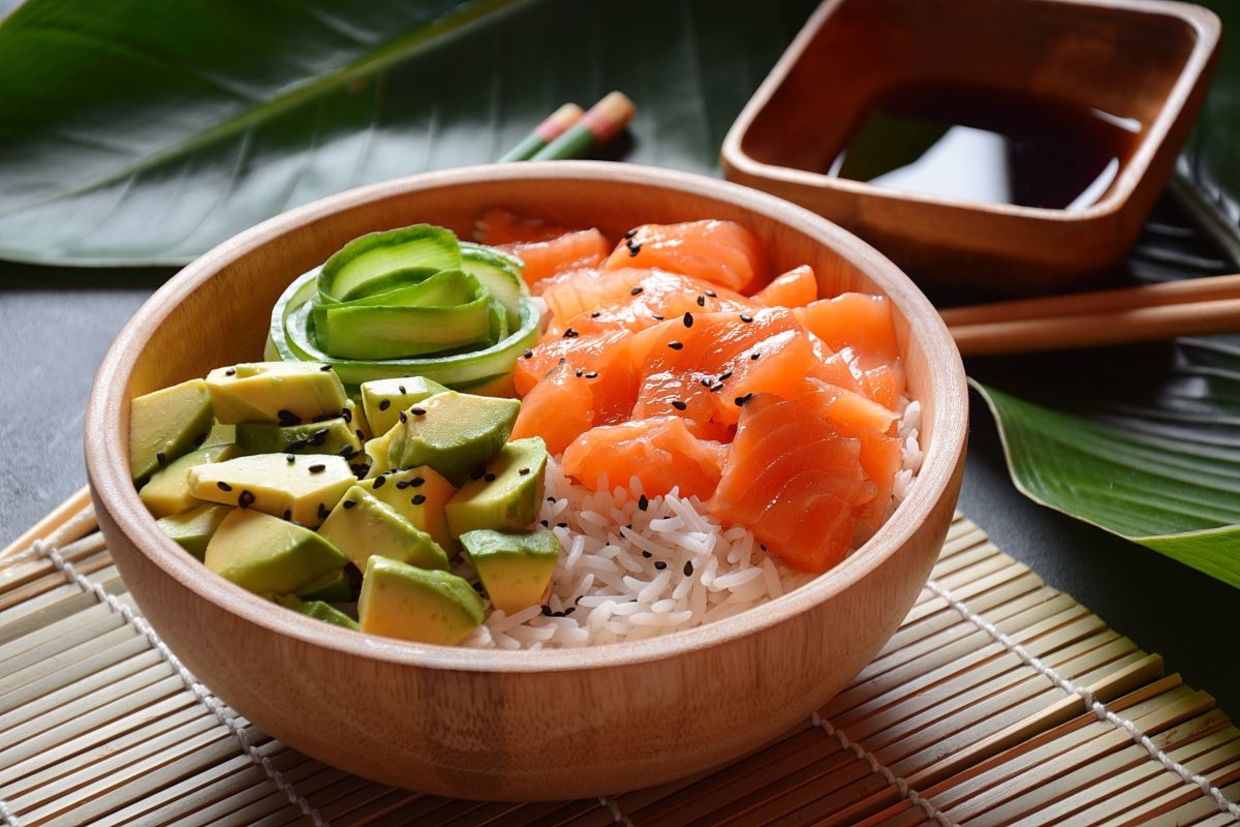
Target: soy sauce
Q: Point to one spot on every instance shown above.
(977, 144)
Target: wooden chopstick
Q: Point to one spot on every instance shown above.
(1107, 317)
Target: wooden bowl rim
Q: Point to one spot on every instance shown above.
(1204, 23)
(107, 462)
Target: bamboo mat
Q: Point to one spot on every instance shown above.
(1000, 701)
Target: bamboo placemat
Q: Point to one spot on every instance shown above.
(1000, 701)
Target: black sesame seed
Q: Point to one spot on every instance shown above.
(631, 233)
(675, 344)
(161, 457)
(551, 500)
(323, 512)
(230, 372)
(403, 417)
(318, 437)
(288, 417)
(325, 368)
(679, 404)
(544, 524)
(711, 293)
(647, 554)
(288, 514)
(380, 481)
(348, 452)
(385, 404)
(701, 301)
(642, 502)
(317, 468)
(296, 445)
(634, 249)
(660, 565)
(762, 547)
(706, 383)
(636, 291)
(223, 486)
(725, 376)
(528, 354)
(658, 317)
(348, 503)
(477, 473)
(360, 470)
(688, 568)
(523, 471)
(418, 499)
(401, 485)
(245, 499)
(596, 314)
(715, 388)
(290, 459)
(561, 525)
(346, 415)
(688, 319)
(579, 373)
(568, 611)
(753, 357)
(746, 318)
(361, 437)
(489, 477)
(570, 333)
(401, 388)
(546, 611)
(741, 400)
(416, 482)
(418, 411)
(592, 374)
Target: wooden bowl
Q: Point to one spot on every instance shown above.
(1136, 59)
(499, 724)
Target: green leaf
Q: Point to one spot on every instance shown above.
(1157, 462)
(153, 131)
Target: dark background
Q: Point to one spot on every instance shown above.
(56, 324)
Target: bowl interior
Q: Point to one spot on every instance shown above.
(1117, 58)
(217, 312)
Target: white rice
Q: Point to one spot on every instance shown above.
(628, 574)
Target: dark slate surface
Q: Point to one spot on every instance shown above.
(56, 324)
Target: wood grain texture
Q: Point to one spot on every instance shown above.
(1145, 60)
(517, 725)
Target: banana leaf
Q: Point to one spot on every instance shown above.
(151, 132)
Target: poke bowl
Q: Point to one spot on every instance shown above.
(509, 718)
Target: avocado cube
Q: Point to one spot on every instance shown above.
(509, 494)
(303, 490)
(331, 436)
(192, 529)
(454, 433)
(515, 568)
(318, 610)
(362, 525)
(168, 491)
(286, 393)
(419, 495)
(165, 424)
(384, 399)
(333, 587)
(401, 601)
(262, 553)
(220, 434)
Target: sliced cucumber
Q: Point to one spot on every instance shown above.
(499, 273)
(347, 274)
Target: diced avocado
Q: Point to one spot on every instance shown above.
(220, 434)
(192, 529)
(262, 553)
(452, 432)
(352, 413)
(419, 495)
(331, 436)
(168, 490)
(515, 568)
(508, 496)
(318, 610)
(303, 490)
(399, 600)
(286, 393)
(362, 525)
(384, 399)
(165, 424)
(334, 587)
